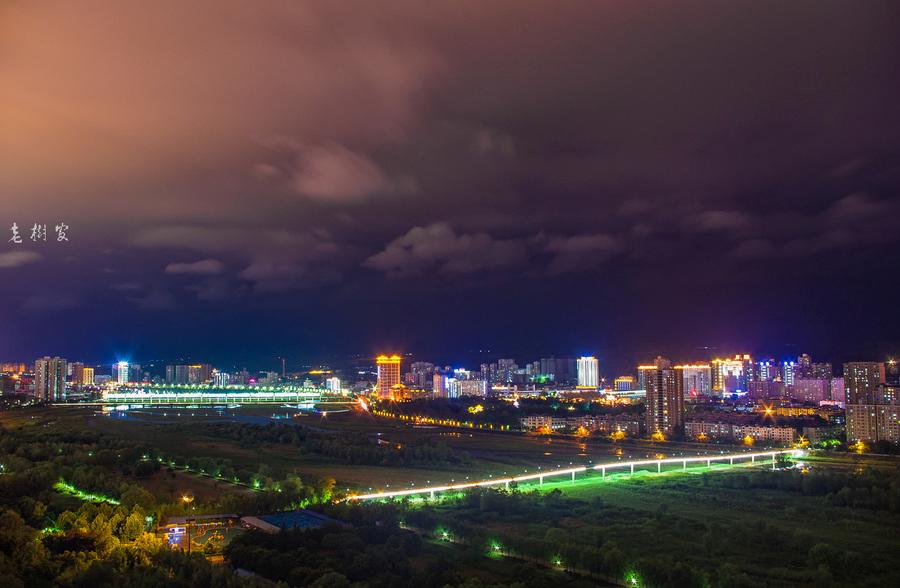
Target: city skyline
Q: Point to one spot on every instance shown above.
(451, 294)
(582, 369)
(607, 368)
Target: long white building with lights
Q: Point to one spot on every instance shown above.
(174, 395)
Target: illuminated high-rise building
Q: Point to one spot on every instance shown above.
(694, 380)
(731, 375)
(75, 370)
(333, 384)
(439, 385)
(506, 370)
(388, 375)
(822, 371)
(588, 372)
(50, 379)
(665, 403)
(867, 418)
(561, 370)
(873, 422)
(120, 372)
(421, 375)
(861, 381)
(767, 370)
(200, 373)
(87, 376)
(623, 384)
(838, 393)
(219, 377)
(789, 372)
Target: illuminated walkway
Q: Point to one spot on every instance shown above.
(729, 460)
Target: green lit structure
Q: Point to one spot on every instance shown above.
(211, 395)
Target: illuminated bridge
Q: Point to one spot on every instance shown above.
(681, 463)
(192, 394)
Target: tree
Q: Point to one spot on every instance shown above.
(134, 526)
(137, 496)
(331, 580)
(324, 489)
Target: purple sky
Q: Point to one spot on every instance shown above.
(249, 179)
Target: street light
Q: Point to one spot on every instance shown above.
(187, 498)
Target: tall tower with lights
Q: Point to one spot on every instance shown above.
(388, 375)
(122, 368)
(665, 402)
(50, 379)
(588, 372)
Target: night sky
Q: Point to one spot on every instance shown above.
(244, 180)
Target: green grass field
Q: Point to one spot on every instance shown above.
(490, 454)
(670, 516)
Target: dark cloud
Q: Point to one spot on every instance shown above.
(270, 258)
(438, 247)
(204, 267)
(219, 156)
(719, 220)
(580, 253)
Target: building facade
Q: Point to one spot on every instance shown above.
(388, 375)
(861, 381)
(695, 380)
(729, 376)
(810, 390)
(873, 422)
(624, 384)
(665, 403)
(588, 372)
(868, 417)
(50, 379)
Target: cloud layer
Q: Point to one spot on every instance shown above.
(221, 155)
